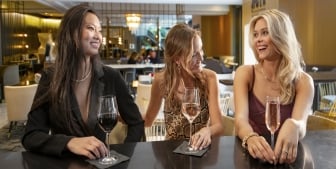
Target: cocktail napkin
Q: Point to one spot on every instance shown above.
(121, 158)
(181, 150)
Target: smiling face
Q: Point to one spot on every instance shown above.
(262, 41)
(195, 65)
(91, 35)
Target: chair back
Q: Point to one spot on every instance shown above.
(143, 96)
(327, 88)
(11, 75)
(225, 101)
(216, 66)
(145, 79)
(22, 95)
(118, 133)
(320, 123)
(129, 77)
(327, 94)
(157, 132)
(229, 126)
(332, 112)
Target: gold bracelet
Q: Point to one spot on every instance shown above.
(244, 143)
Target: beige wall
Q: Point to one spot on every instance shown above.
(315, 25)
(216, 33)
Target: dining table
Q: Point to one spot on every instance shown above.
(316, 151)
(137, 66)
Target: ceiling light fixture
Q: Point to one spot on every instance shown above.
(133, 21)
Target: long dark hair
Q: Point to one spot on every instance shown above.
(69, 58)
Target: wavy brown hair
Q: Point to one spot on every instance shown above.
(179, 44)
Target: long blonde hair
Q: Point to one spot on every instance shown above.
(283, 36)
(179, 44)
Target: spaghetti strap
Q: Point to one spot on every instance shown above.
(251, 88)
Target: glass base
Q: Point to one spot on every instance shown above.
(109, 160)
(189, 150)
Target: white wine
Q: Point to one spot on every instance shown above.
(190, 111)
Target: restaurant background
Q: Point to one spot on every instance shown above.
(223, 34)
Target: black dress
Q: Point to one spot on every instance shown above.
(105, 81)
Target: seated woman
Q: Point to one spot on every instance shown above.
(63, 118)
(278, 73)
(183, 60)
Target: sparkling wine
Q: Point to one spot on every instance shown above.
(107, 121)
(272, 116)
(190, 111)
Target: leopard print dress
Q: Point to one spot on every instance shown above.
(177, 126)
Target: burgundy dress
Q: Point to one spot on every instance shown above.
(257, 113)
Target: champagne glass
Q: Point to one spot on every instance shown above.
(272, 115)
(107, 119)
(191, 109)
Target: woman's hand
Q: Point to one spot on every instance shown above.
(90, 147)
(201, 139)
(287, 142)
(259, 148)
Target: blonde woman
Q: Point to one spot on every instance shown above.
(183, 58)
(278, 73)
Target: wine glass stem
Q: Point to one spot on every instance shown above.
(272, 140)
(108, 144)
(190, 134)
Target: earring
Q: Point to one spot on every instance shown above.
(178, 68)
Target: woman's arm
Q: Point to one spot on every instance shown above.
(303, 102)
(202, 138)
(294, 128)
(242, 80)
(216, 126)
(155, 100)
(128, 110)
(36, 137)
(257, 146)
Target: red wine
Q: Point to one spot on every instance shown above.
(107, 121)
(272, 116)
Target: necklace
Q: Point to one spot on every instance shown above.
(265, 76)
(84, 78)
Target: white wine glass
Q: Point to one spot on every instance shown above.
(191, 109)
(107, 119)
(272, 115)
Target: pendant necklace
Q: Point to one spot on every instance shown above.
(84, 78)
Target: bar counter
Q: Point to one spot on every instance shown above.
(317, 150)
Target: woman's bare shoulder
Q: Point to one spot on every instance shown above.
(305, 79)
(245, 68)
(245, 71)
(209, 73)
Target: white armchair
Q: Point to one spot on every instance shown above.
(157, 131)
(142, 97)
(15, 95)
